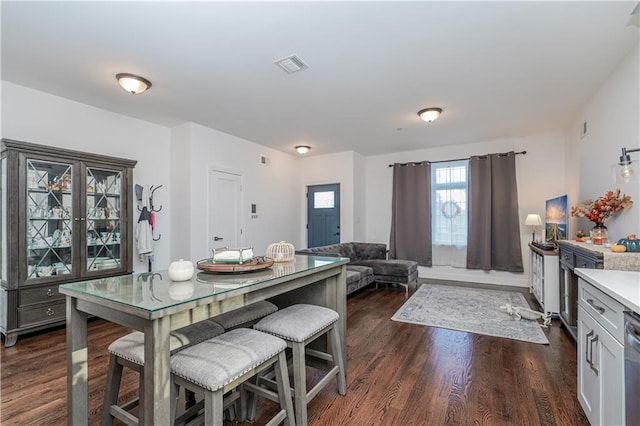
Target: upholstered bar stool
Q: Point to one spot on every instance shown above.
(245, 316)
(299, 325)
(220, 364)
(128, 351)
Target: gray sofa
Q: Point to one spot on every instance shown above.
(368, 263)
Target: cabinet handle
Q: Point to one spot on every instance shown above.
(587, 357)
(50, 311)
(593, 364)
(596, 307)
(565, 257)
(50, 292)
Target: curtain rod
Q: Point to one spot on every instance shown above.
(415, 163)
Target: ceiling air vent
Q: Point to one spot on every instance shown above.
(292, 64)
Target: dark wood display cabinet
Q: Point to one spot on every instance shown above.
(66, 216)
(573, 256)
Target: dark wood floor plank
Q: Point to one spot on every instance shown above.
(399, 374)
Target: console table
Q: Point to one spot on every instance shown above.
(543, 279)
(151, 303)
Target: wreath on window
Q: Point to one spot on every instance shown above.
(450, 209)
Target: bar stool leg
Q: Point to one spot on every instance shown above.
(284, 390)
(300, 382)
(114, 377)
(213, 408)
(337, 359)
(175, 393)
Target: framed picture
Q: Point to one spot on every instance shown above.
(556, 218)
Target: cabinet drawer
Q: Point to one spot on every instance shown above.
(41, 314)
(587, 262)
(567, 258)
(605, 310)
(44, 294)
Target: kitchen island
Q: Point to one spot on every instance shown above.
(154, 305)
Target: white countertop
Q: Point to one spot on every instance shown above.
(623, 286)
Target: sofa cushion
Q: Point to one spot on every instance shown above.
(393, 267)
(366, 251)
(364, 270)
(358, 277)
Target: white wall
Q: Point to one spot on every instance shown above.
(359, 197)
(33, 116)
(324, 169)
(539, 177)
(613, 122)
(273, 187)
(180, 175)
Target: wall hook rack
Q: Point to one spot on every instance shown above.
(151, 206)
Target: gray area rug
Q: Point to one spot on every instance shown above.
(469, 309)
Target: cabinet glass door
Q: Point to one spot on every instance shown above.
(49, 219)
(104, 188)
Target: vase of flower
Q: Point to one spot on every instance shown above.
(599, 234)
(600, 209)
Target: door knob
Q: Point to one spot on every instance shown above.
(217, 238)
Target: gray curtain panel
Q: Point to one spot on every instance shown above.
(494, 228)
(411, 213)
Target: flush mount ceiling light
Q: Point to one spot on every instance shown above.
(302, 149)
(132, 83)
(429, 114)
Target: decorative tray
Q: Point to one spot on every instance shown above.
(255, 264)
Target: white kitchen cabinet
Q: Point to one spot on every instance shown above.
(600, 356)
(544, 277)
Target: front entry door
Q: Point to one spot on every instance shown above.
(224, 207)
(323, 214)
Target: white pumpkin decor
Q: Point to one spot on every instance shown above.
(181, 270)
(281, 252)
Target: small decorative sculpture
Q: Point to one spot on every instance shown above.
(520, 312)
(281, 252)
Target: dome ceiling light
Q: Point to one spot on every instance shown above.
(132, 83)
(429, 114)
(302, 149)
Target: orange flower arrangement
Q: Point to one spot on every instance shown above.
(599, 210)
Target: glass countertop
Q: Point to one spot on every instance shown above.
(153, 291)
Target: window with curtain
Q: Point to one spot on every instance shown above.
(449, 189)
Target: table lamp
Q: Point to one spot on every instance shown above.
(533, 220)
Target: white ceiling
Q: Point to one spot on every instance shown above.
(498, 69)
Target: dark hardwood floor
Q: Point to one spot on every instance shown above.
(398, 374)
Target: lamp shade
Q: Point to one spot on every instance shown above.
(132, 83)
(429, 114)
(533, 219)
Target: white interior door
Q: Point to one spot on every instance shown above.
(225, 227)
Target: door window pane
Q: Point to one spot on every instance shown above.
(323, 200)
